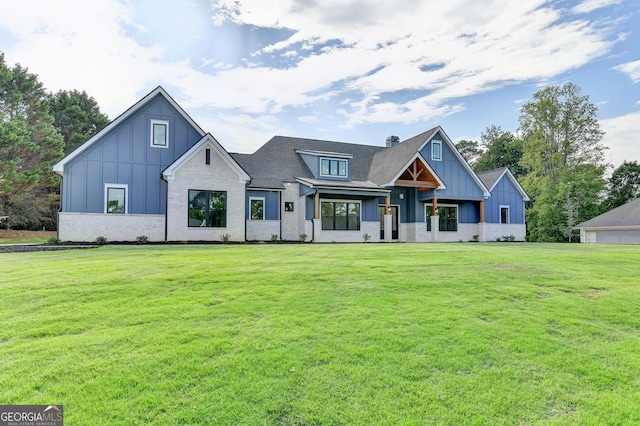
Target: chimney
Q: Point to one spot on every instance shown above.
(392, 141)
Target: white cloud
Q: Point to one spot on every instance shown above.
(359, 53)
(623, 137)
(632, 69)
(591, 5)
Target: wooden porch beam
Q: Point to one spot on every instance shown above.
(387, 203)
(482, 211)
(415, 184)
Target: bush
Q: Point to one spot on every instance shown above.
(142, 239)
(101, 240)
(476, 238)
(303, 237)
(274, 238)
(225, 238)
(53, 241)
(508, 238)
(366, 237)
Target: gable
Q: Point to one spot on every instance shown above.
(122, 153)
(460, 180)
(219, 158)
(132, 128)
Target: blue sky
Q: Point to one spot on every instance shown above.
(347, 70)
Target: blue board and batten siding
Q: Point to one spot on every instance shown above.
(124, 156)
(271, 204)
(504, 193)
(458, 180)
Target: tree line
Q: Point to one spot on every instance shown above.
(37, 129)
(556, 154)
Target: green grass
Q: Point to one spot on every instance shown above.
(330, 334)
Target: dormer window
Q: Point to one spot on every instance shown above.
(333, 167)
(159, 134)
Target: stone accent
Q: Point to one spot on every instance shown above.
(86, 227)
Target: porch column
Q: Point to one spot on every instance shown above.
(435, 222)
(387, 220)
(481, 225)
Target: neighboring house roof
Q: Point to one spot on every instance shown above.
(491, 178)
(59, 166)
(207, 140)
(278, 161)
(624, 216)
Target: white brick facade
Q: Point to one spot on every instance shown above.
(194, 174)
(86, 227)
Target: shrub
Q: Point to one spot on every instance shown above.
(303, 237)
(508, 238)
(225, 238)
(366, 237)
(53, 241)
(101, 240)
(142, 239)
(476, 238)
(274, 238)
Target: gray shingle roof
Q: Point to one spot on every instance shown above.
(388, 162)
(277, 161)
(625, 215)
(490, 178)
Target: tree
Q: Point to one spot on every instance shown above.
(501, 149)
(624, 184)
(565, 159)
(470, 150)
(77, 117)
(29, 144)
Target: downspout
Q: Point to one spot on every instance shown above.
(166, 207)
(59, 210)
(280, 212)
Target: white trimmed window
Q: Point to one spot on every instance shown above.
(159, 133)
(436, 150)
(504, 214)
(333, 167)
(115, 198)
(256, 205)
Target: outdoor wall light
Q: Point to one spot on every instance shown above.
(401, 196)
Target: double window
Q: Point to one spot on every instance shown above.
(333, 167)
(340, 216)
(207, 208)
(115, 198)
(159, 134)
(447, 218)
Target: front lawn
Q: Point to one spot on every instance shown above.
(301, 334)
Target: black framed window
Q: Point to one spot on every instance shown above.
(207, 208)
(340, 216)
(288, 206)
(504, 214)
(447, 218)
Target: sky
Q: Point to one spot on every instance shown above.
(345, 70)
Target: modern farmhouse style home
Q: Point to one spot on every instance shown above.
(154, 172)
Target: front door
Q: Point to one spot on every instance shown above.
(394, 221)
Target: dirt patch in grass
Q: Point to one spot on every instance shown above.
(10, 233)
